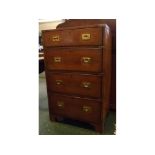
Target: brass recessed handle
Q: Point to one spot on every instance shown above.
(86, 109)
(85, 36)
(56, 38)
(57, 59)
(60, 104)
(59, 82)
(86, 84)
(86, 60)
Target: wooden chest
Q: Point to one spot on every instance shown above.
(78, 72)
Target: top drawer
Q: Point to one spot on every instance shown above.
(73, 37)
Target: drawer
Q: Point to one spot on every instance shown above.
(76, 108)
(75, 59)
(72, 37)
(76, 84)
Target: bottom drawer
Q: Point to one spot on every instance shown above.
(76, 108)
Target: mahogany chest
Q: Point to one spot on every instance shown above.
(78, 72)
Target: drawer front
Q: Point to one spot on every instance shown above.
(73, 37)
(81, 109)
(74, 59)
(83, 85)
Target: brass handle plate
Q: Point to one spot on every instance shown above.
(86, 60)
(60, 104)
(59, 82)
(85, 36)
(57, 59)
(87, 109)
(56, 38)
(86, 84)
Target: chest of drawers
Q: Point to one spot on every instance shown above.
(78, 72)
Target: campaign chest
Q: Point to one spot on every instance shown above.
(78, 72)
